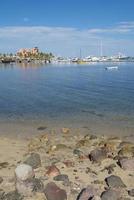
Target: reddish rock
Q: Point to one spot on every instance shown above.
(52, 171)
(69, 163)
(83, 157)
(53, 192)
(127, 164)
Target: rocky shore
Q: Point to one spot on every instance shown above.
(66, 166)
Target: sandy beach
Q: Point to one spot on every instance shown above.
(70, 159)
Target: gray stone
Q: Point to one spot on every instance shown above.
(131, 193)
(98, 155)
(1, 180)
(42, 128)
(4, 165)
(14, 195)
(33, 160)
(53, 192)
(61, 177)
(110, 168)
(110, 195)
(38, 185)
(77, 152)
(64, 178)
(25, 188)
(115, 182)
(90, 137)
(1, 194)
(87, 193)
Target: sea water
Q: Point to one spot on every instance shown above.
(69, 95)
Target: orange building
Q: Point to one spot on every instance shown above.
(28, 52)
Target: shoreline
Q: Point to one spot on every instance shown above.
(23, 129)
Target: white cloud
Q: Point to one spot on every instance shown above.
(66, 40)
(122, 27)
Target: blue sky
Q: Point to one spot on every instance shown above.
(65, 26)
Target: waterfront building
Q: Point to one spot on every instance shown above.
(24, 53)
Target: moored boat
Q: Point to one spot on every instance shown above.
(111, 68)
(5, 61)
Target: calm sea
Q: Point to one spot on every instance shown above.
(85, 96)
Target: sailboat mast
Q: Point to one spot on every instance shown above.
(80, 53)
(101, 49)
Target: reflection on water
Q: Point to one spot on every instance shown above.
(5, 65)
(24, 64)
(35, 64)
(79, 95)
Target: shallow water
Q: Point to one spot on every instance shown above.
(84, 96)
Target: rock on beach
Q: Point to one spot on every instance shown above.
(24, 172)
(115, 182)
(53, 192)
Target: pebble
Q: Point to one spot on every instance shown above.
(110, 168)
(53, 192)
(83, 142)
(42, 128)
(25, 188)
(1, 180)
(87, 193)
(127, 163)
(69, 163)
(115, 182)
(65, 130)
(97, 155)
(131, 193)
(78, 152)
(38, 142)
(38, 185)
(110, 195)
(58, 147)
(24, 180)
(33, 160)
(13, 195)
(61, 177)
(1, 194)
(24, 172)
(4, 165)
(64, 178)
(127, 151)
(53, 171)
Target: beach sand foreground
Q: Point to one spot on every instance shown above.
(79, 167)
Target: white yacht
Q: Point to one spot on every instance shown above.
(112, 67)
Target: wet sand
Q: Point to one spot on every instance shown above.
(23, 129)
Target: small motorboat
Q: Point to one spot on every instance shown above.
(111, 68)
